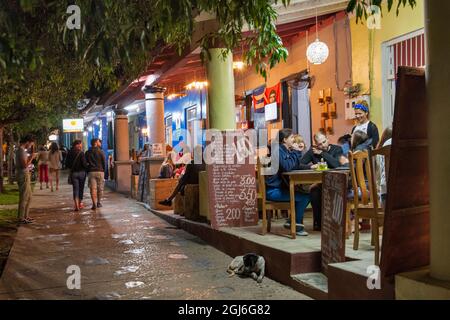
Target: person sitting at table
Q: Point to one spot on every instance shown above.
(323, 150)
(360, 141)
(334, 158)
(300, 142)
(277, 189)
(190, 176)
(344, 142)
(168, 167)
(364, 124)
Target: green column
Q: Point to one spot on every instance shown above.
(221, 91)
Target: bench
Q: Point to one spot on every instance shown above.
(191, 202)
(161, 189)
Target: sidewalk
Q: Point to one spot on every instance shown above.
(123, 252)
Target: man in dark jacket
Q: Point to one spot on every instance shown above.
(332, 155)
(323, 150)
(96, 160)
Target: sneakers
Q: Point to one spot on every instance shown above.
(94, 208)
(26, 221)
(302, 233)
(165, 202)
(99, 205)
(287, 225)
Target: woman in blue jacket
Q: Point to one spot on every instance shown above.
(277, 188)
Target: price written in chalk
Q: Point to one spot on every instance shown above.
(247, 181)
(233, 214)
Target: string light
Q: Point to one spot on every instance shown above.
(239, 65)
(197, 85)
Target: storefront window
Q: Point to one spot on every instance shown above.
(191, 117)
(168, 128)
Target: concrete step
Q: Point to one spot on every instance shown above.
(316, 284)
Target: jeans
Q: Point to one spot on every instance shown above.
(283, 195)
(78, 181)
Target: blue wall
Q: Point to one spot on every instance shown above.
(177, 108)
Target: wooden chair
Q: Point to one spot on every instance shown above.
(365, 199)
(267, 205)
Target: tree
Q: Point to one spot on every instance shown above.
(45, 67)
(362, 8)
(123, 33)
(38, 104)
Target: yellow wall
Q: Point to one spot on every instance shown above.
(392, 26)
(324, 74)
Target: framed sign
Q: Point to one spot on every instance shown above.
(73, 125)
(334, 204)
(231, 179)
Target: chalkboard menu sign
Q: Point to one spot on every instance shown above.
(334, 202)
(231, 179)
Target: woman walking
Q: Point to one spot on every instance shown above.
(76, 162)
(55, 158)
(43, 165)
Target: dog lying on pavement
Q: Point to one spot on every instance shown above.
(250, 265)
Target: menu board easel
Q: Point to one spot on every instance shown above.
(231, 180)
(334, 202)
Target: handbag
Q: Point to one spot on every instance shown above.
(69, 178)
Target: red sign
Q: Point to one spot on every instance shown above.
(231, 180)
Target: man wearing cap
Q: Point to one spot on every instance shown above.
(364, 124)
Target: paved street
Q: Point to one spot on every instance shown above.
(123, 252)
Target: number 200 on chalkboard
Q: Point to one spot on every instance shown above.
(233, 214)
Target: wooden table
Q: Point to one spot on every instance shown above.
(303, 177)
(300, 177)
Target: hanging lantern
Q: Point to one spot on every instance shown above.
(317, 52)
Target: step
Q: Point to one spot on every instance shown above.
(316, 284)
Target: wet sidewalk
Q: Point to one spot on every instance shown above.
(123, 252)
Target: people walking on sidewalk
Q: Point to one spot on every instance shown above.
(96, 160)
(54, 164)
(76, 162)
(24, 157)
(43, 165)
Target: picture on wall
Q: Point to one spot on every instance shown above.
(273, 102)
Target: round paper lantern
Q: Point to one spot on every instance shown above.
(317, 52)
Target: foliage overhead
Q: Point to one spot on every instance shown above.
(362, 8)
(128, 33)
(45, 67)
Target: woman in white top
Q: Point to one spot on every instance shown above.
(43, 165)
(364, 124)
(54, 164)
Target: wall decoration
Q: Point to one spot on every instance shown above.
(321, 99)
(329, 111)
(259, 99)
(328, 95)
